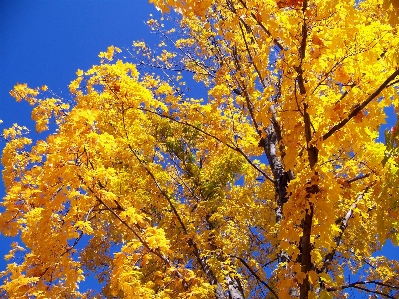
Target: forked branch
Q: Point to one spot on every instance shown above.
(355, 285)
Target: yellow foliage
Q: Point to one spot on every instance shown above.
(272, 186)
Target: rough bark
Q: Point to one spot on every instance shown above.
(235, 288)
(281, 177)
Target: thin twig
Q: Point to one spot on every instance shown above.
(256, 276)
(356, 286)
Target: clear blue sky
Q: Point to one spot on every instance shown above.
(44, 42)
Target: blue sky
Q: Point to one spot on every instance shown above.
(45, 42)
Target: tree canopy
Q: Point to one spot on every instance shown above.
(273, 186)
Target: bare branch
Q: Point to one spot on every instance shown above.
(359, 177)
(256, 276)
(356, 286)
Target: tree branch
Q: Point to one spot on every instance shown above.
(356, 286)
(256, 276)
(207, 270)
(275, 41)
(237, 149)
(145, 244)
(344, 224)
(360, 107)
(250, 54)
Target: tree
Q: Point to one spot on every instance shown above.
(271, 187)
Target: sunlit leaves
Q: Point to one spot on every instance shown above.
(178, 197)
